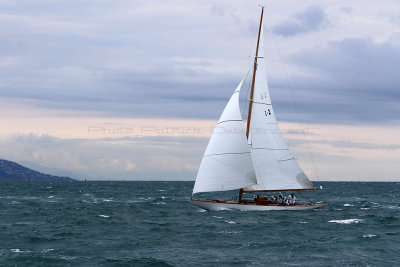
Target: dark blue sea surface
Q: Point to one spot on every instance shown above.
(153, 224)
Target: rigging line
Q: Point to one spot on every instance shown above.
(227, 121)
(253, 45)
(256, 170)
(298, 114)
(228, 153)
(245, 106)
(261, 103)
(286, 159)
(266, 148)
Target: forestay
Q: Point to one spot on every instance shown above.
(227, 163)
(274, 164)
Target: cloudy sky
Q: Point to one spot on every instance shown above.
(132, 89)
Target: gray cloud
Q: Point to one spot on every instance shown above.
(84, 60)
(356, 81)
(344, 144)
(311, 19)
(128, 64)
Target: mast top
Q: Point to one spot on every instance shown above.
(254, 76)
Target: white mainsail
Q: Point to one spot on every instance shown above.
(227, 163)
(274, 164)
(261, 162)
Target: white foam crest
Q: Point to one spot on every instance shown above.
(369, 235)
(17, 250)
(348, 205)
(229, 232)
(392, 207)
(347, 221)
(104, 216)
(218, 217)
(140, 200)
(230, 222)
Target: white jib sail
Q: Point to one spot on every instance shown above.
(274, 164)
(227, 162)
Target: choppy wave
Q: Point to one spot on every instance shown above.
(347, 221)
(369, 235)
(154, 224)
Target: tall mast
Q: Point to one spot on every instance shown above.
(254, 76)
(252, 89)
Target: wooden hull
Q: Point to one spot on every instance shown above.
(226, 205)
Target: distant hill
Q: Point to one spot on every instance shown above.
(11, 171)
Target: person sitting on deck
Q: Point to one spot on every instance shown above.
(290, 199)
(293, 199)
(286, 201)
(280, 199)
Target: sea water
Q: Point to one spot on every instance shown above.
(153, 224)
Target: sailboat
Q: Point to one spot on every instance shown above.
(254, 160)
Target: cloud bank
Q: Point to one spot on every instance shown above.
(83, 63)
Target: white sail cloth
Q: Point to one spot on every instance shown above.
(274, 164)
(261, 162)
(227, 163)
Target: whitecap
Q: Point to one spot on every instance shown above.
(17, 250)
(218, 217)
(68, 257)
(104, 216)
(107, 200)
(24, 223)
(47, 249)
(392, 207)
(229, 232)
(303, 222)
(347, 221)
(50, 196)
(230, 222)
(161, 203)
(348, 205)
(368, 235)
(365, 208)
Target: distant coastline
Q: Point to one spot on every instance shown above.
(12, 171)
